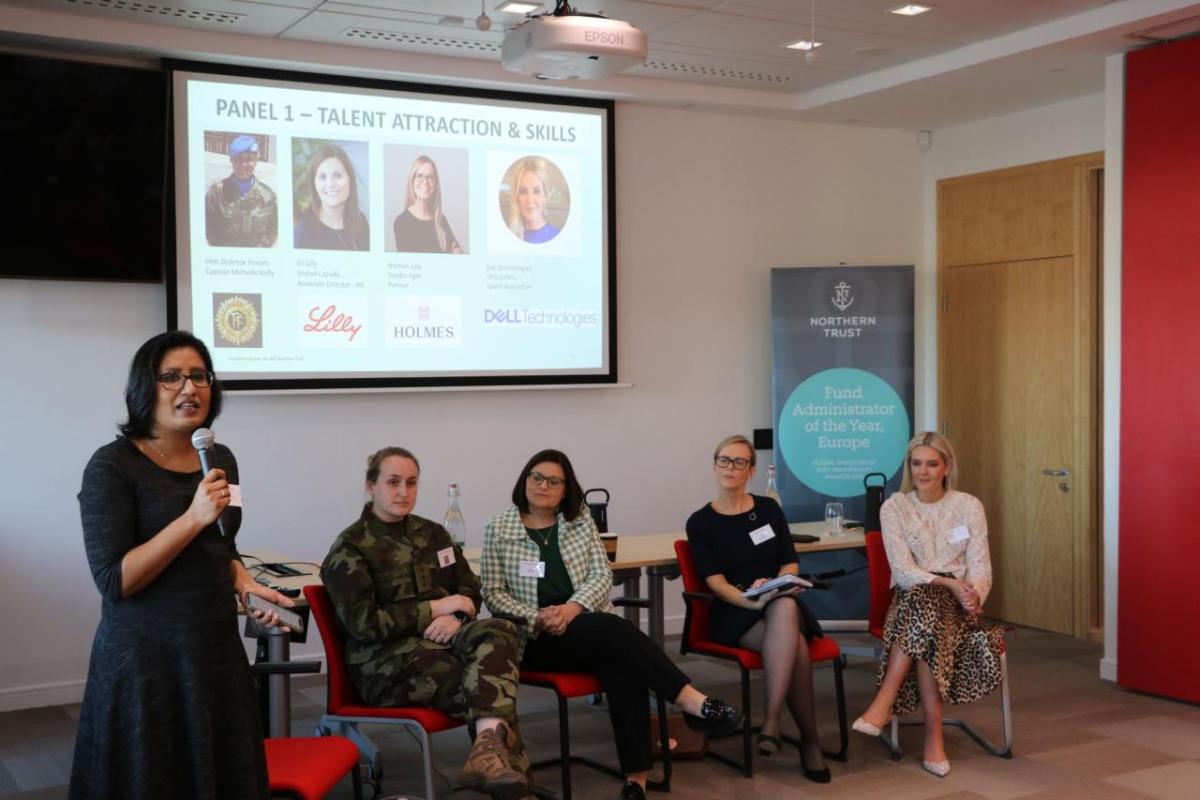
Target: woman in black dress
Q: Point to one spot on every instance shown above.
(422, 227)
(740, 541)
(169, 709)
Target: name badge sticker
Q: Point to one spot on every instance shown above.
(532, 569)
(959, 534)
(760, 535)
(445, 557)
(235, 495)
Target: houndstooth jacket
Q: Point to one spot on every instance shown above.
(506, 545)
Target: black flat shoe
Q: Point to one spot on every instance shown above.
(717, 718)
(817, 775)
(821, 775)
(632, 791)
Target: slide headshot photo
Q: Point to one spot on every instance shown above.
(426, 199)
(240, 204)
(534, 199)
(330, 195)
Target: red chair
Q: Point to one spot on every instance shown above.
(307, 768)
(345, 710)
(568, 685)
(696, 639)
(879, 574)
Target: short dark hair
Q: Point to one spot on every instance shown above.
(572, 502)
(376, 459)
(141, 390)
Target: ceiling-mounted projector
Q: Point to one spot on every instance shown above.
(572, 46)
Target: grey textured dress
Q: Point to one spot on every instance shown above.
(169, 710)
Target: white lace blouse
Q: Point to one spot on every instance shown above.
(948, 536)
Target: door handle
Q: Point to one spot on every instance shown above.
(1057, 473)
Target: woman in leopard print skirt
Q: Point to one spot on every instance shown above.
(936, 540)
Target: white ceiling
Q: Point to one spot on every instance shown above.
(965, 60)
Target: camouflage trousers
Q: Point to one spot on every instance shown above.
(474, 676)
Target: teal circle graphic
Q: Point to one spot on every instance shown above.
(840, 424)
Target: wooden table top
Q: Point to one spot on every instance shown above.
(640, 550)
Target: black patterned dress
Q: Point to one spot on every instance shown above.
(169, 710)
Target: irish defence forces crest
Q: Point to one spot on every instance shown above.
(237, 320)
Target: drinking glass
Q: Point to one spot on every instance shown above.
(833, 518)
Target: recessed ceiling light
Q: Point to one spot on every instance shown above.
(803, 44)
(517, 7)
(911, 9)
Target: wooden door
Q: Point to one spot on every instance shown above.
(1017, 379)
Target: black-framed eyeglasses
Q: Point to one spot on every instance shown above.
(173, 379)
(551, 481)
(737, 463)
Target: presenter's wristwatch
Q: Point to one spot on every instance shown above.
(461, 616)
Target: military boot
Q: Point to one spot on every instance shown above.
(488, 768)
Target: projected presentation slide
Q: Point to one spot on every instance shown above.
(346, 235)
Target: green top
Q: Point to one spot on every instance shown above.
(555, 588)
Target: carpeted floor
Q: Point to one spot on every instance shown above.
(1076, 736)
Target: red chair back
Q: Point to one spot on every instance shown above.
(698, 629)
(341, 691)
(879, 574)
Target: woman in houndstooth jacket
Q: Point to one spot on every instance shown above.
(544, 567)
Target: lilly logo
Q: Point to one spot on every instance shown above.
(842, 298)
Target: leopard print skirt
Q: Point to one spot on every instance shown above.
(928, 624)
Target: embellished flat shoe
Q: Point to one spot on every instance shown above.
(939, 768)
(870, 729)
(716, 718)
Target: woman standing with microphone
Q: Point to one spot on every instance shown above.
(169, 709)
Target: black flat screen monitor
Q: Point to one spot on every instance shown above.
(85, 148)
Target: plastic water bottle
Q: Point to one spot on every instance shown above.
(772, 490)
(453, 522)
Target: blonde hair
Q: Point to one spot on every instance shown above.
(537, 166)
(946, 450)
(435, 204)
(737, 438)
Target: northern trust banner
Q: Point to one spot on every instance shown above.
(843, 382)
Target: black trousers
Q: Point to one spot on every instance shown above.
(627, 663)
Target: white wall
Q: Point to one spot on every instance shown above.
(707, 204)
(1070, 128)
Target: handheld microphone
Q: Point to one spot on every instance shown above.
(202, 440)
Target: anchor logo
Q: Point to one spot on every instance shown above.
(842, 298)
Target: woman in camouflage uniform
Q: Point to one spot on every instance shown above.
(407, 600)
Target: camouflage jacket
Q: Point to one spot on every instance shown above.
(382, 576)
(233, 219)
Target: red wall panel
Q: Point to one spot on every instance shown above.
(1159, 574)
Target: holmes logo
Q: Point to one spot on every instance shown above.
(423, 331)
(423, 322)
(842, 298)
